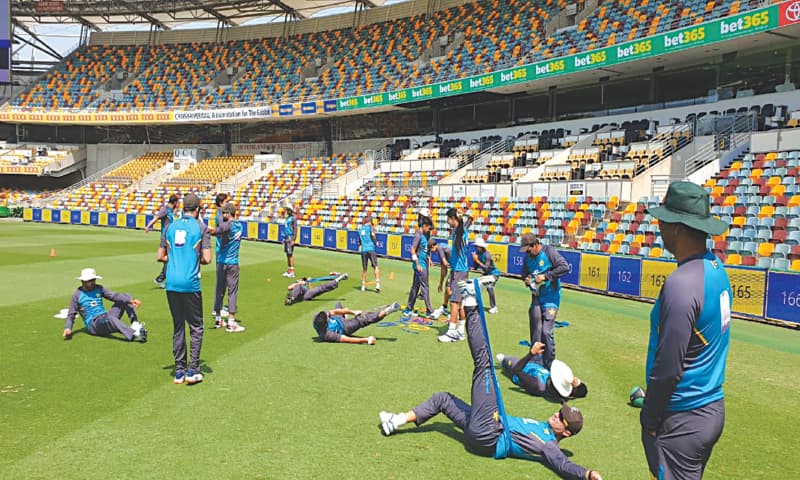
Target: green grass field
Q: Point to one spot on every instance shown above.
(276, 404)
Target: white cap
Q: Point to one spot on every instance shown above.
(424, 211)
(561, 376)
(479, 242)
(88, 274)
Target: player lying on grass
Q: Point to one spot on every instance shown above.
(333, 326)
(88, 301)
(488, 430)
(557, 383)
(302, 289)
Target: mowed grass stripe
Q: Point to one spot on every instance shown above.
(278, 405)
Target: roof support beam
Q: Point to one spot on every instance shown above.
(37, 42)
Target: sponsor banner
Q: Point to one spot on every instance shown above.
(748, 286)
(71, 118)
(783, 297)
(574, 260)
(341, 240)
(625, 276)
(594, 272)
(47, 215)
(394, 245)
(308, 108)
(251, 231)
(352, 241)
(789, 13)
(94, 218)
(305, 236)
(112, 220)
(329, 106)
(21, 170)
(263, 231)
(405, 247)
(27, 214)
(499, 254)
(654, 274)
(380, 243)
(55, 216)
(330, 238)
(273, 232)
(36, 215)
(130, 220)
(141, 221)
(222, 114)
(286, 110)
(317, 237)
(516, 260)
(86, 218)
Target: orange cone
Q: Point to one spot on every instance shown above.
(52, 252)
(391, 275)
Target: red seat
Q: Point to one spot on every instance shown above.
(634, 250)
(780, 223)
(795, 253)
(781, 201)
(604, 247)
(778, 236)
(749, 261)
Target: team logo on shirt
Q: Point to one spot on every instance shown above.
(551, 311)
(541, 263)
(180, 238)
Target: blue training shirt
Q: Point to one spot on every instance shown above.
(534, 370)
(229, 237)
(365, 237)
(217, 222)
(289, 228)
(459, 261)
(185, 239)
(488, 261)
(420, 245)
(549, 290)
(689, 339)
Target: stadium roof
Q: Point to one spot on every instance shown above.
(166, 14)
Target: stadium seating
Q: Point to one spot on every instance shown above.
(207, 173)
(481, 36)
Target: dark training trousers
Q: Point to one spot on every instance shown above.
(683, 444)
(317, 291)
(420, 287)
(186, 308)
(542, 322)
(106, 324)
(477, 421)
(227, 276)
(360, 321)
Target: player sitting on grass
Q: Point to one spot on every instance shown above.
(302, 290)
(488, 430)
(557, 383)
(332, 326)
(88, 301)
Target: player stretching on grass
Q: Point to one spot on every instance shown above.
(367, 241)
(332, 326)
(488, 430)
(557, 383)
(302, 290)
(88, 301)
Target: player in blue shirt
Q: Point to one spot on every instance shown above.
(219, 201)
(367, 240)
(289, 237)
(484, 261)
(166, 215)
(303, 288)
(488, 430)
(333, 326)
(444, 262)
(459, 263)
(557, 383)
(185, 247)
(420, 263)
(229, 236)
(684, 410)
(88, 302)
(542, 268)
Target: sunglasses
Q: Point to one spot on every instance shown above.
(562, 420)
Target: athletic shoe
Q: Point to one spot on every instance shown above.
(219, 323)
(407, 312)
(493, 310)
(180, 377)
(500, 357)
(437, 313)
(193, 377)
(234, 327)
(451, 336)
(378, 288)
(363, 288)
(288, 274)
(371, 340)
(140, 334)
(136, 326)
(389, 309)
(388, 423)
(160, 283)
(342, 276)
(222, 313)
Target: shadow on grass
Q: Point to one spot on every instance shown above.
(447, 429)
(382, 339)
(205, 369)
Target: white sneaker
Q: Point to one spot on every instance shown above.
(363, 288)
(500, 357)
(136, 327)
(371, 340)
(467, 288)
(224, 312)
(234, 327)
(451, 336)
(378, 288)
(193, 377)
(493, 310)
(388, 424)
(437, 313)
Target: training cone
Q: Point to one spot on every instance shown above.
(52, 252)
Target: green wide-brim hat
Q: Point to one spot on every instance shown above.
(688, 203)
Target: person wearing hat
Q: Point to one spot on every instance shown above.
(185, 247)
(542, 268)
(367, 241)
(558, 382)
(422, 212)
(229, 238)
(484, 261)
(166, 214)
(684, 411)
(488, 430)
(333, 326)
(289, 238)
(88, 301)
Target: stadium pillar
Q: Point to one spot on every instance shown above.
(552, 108)
(327, 136)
